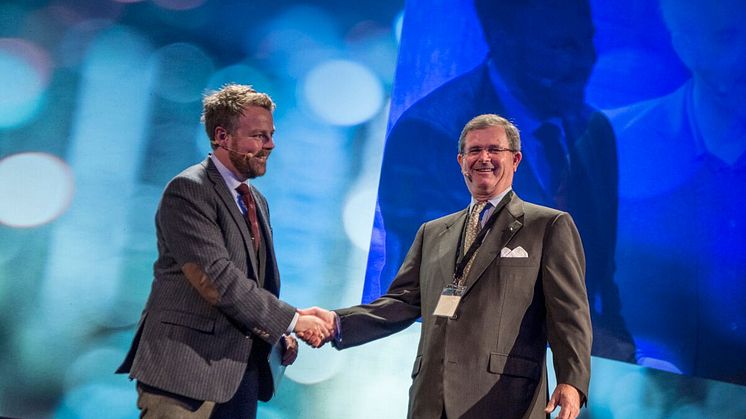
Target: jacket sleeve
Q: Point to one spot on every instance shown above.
(191, 233)
(568, 317)
(390, 313)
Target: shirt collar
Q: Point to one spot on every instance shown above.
(494, 201)
(228, 177)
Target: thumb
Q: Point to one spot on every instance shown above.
(307, 311)
(551, 405)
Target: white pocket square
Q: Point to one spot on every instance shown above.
(518, 252)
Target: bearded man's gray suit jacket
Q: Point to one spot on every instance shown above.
(488, 361)
(213, 297)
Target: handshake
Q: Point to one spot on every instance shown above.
(316, 326)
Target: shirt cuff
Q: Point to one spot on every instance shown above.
(292, 323)
(337, 342)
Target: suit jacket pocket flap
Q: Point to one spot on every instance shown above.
(512, 365)
(193, 321)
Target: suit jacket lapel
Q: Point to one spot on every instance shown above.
(227, 197)
(271, 280)
(506, 226)
(448, 241)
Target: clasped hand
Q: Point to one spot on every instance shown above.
(316, 326)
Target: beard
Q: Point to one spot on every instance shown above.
(251, 167)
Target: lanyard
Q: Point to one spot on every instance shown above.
(461, 264)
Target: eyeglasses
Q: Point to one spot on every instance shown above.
(492, 151)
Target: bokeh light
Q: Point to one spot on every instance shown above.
(358, 216)
(36, 189)
(242, 74)
(24, 74)
(183, 71)
(74, 44)
(315, 366)
(342, 92)
(86, 401)
(295, 40)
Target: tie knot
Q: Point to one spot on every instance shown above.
(243, 189)
(478, 210)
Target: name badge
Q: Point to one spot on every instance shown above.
(449, 301)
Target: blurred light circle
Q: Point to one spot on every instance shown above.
(315, 365)
(74, 44)
(184, 71)
(25, 69)
(104, 59)
(358, 217)
(296, 40)
(342, 92)
(179, 4)
(36, 189)
(241, 74)
(99, 400)
(375, 49)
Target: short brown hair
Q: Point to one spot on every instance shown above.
(223, 107)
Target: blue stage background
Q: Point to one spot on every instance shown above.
(100, 106)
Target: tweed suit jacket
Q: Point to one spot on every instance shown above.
(208, 304)
(488, 361)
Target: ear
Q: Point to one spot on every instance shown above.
(220, 134)
(517, 157)
(459, 158)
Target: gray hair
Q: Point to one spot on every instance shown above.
(491, 120)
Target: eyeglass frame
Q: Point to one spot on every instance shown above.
(491, 150)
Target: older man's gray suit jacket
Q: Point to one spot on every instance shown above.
(489, 361)
(211, 298)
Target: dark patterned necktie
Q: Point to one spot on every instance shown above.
(248, 200)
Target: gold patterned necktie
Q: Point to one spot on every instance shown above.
(472, 229)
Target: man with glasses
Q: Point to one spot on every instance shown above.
(540, 57)
(493, 283)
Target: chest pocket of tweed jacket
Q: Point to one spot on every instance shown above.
(192, 321)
